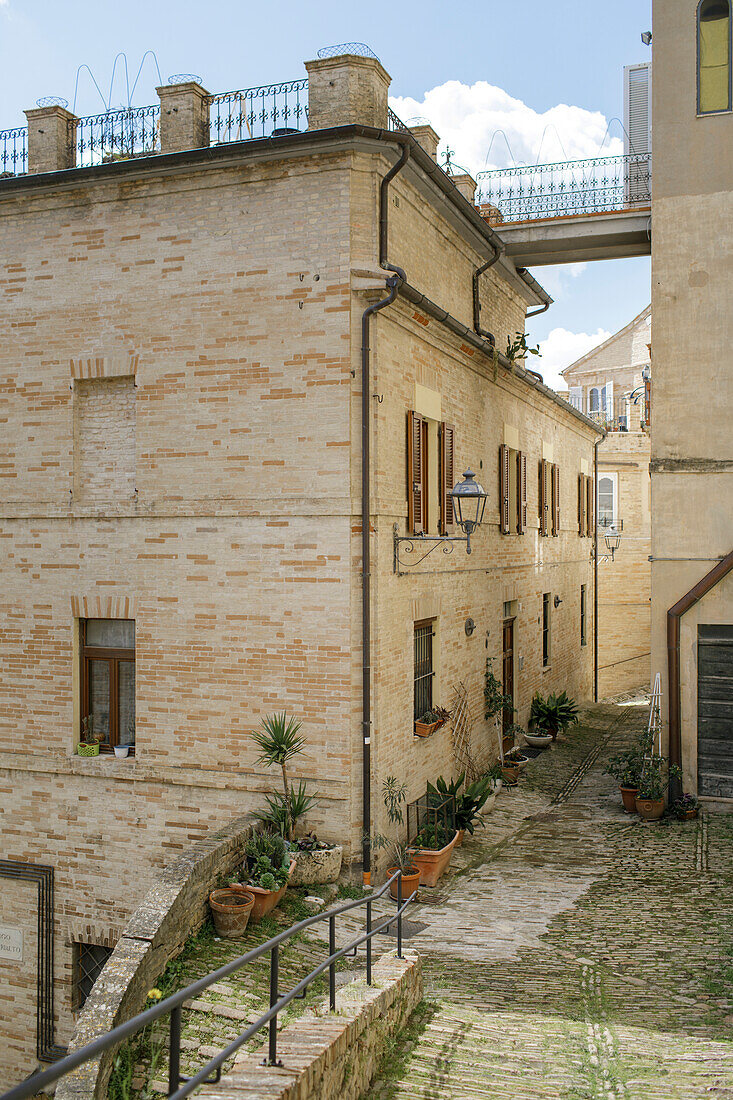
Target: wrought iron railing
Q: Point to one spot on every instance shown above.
(258, 112)
(566, 188)
(394, 123)
(116, 135)
(14, 151)
(179, 1085)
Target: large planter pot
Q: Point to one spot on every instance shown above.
(488, 804)
(552, 730)
(511, 774)
(517, 760)
(432, 864)
(410, 882)
(650, 809)
(538, 740)
(459, 837)
(318, 867)
(628, 797)
(266, 900)
(231, 909)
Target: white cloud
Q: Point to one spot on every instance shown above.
(560, 349)
(487, 128)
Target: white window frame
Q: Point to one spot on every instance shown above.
(613, 477)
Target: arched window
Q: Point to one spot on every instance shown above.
(713, 56)
(594, 402)
(607, 492)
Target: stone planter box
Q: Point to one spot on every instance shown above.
(318, 867)
(432, 864)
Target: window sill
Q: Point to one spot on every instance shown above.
(546, 668)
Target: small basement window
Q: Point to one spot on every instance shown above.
(89, 959)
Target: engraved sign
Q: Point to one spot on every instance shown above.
(11, 943)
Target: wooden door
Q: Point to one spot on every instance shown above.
(508, 666)
(715, 711)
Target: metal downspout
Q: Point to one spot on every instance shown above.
(366, 618)
(498, 251)
(595, 569)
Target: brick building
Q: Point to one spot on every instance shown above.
(181, 398)
(610, 384)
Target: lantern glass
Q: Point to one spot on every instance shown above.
(613, 539)
(469, 502)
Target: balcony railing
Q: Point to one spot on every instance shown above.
(566, 188)
(258, 112)
(117, 135)
(14, 151)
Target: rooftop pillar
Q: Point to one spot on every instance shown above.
(51, 139)
(426, 136)
(184, 117)
(347, 90)
(466, 185)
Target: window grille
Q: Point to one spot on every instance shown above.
(90, 958)
(424, 671)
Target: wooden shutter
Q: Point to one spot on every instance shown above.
(544, 497)
(589, 506)
(555, 498)
(521, 493)
(415, 504)
(581, 505)
(446, 477)
(504, 489)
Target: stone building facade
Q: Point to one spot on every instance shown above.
(181, 507)
(692, 398)
(610, 383)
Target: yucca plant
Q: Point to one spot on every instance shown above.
(279, 741)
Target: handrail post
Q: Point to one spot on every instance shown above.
(274, 969)
(399, 914)
(174, 1050)
(332, 965)
(369, 942)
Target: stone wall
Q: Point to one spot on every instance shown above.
(174, 908)
(333, 1056)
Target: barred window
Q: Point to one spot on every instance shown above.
(88, 962)
(424, 671)
(546, 629)
(583, 616)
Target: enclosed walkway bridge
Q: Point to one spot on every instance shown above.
(571, 211)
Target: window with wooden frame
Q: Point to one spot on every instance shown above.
(89, 959)
(549, 497)
(430, 474)
(589, 506)
(555, 480)
(713, 56)
(546, 628)
(424, 670)
(585, 505)
(512, 491)
(108, 680)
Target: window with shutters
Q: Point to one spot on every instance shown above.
(713, 56)
(555, 485)
(108, 680)
(430, 475)
(546, 628)
(549, 498)
(512, 491)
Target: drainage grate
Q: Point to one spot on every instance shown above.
(410, 928)
(424, 898)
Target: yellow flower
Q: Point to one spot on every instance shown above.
(154, 995)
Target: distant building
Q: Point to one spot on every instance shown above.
(610, 384)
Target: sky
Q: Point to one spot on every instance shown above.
(547, 75)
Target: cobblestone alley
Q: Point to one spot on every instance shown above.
(576, 952)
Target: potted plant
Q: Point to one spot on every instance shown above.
(89, 744)
(231, 908)
(510, 772)
(393, 795)
(537, 738)
(467, 806)
(553, 714)
(686, 807)
(626, 767)
(431, 851)
(653, 782)
(268, 866)
(430, 721)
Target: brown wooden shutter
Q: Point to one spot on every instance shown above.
(541, 495)
(589, 506)
(446, 477)
(504, 489)
(555, 498)
(546, 501)
(415, 506)
(581, 505)
(521, 493)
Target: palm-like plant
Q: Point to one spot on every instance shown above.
(279, 741)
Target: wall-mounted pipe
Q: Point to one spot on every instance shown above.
(498, 250)
(674, 617)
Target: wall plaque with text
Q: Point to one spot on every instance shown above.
(11, 943)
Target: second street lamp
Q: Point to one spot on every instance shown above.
(469, 501)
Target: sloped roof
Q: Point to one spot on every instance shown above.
(635, 323)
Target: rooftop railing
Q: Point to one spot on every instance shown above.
(566, 188)
(258, 112)
(116, 135)
(180, 1086)
(14, 151)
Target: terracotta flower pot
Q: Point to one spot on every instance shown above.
(650, 809)
(410, 882)
(432, 864)
(510, 773)
(628, 797)
(459, 837)
(266, 900)
(689, 815)
(231, 909)
(424, 729)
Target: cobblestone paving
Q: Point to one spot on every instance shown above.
(576, 952)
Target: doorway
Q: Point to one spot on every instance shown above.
(715, 711)
(508, 672)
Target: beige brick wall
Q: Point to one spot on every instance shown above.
(104, 439)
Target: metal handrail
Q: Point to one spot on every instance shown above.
(172, 1005)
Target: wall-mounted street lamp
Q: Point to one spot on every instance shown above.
(612, 539)
(469, 502)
